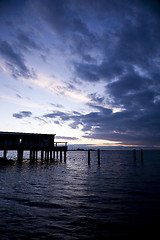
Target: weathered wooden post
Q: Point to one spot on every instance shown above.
(34, 156)
(36, 153)
(30, 155)
(57, 154)
(60, 155)
(5, 154)
(51, 155)
(47, 155)
(20, 155)
(134, 152)
(89, 157)
(98, 156)
(64, 156)
(42, 155)
(141, 155)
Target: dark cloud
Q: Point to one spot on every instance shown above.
(128, 127)
(116, 43)
(66, 138)
(60, 117)
(22, 114)
(57, 122)
(40, 119)
(88, 72)
(63, 116)
(18, 96)
(57, 105)
(138, 126)
(62, 16)
(44, 58)
(9, 6)
(96, 98)
(68, 23)
(15, 61)
(26, 42)
(93, 72)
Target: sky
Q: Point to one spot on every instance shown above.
(85, 70)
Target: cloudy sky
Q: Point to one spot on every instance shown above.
(87, 70)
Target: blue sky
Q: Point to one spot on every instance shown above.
(87, 70)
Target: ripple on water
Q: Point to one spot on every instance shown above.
(74, 201)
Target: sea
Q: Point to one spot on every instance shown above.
(118, 199)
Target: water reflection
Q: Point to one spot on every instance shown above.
(70, 200)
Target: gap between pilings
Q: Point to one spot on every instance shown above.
(45, 155)
(48, 155)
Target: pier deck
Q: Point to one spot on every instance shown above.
(32, 142)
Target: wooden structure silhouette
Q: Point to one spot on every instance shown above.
(32, 142)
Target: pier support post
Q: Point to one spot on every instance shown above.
(36, 155)
(98, 151)
(53, 154)
(89, 158)
(5, 154)
(141, 155)
(31, 155)
(42, 155)
(20, 155)
(60, 155)
(134, 152)
(65, 156)
(57, 154)
(47, 155)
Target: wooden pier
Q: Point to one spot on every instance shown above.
(32, 142)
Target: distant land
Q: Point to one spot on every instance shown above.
(82, 147)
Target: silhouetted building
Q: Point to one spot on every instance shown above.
(33, 142)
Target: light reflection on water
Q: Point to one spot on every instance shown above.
(118, 199)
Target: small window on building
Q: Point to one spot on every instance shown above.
(20, 140)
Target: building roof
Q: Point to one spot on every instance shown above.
(26, 134)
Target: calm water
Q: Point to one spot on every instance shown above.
(116, 200)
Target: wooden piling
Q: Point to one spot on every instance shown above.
(5, 154)
(36, 153)
(60, 155)
(30, 155)
(89, 158)
(33, 155)
(141, 155)
(134, 153)
(64, 156)
(47, 156)
(98, 156)
(42, 155)
(51, 155)
(20, 155)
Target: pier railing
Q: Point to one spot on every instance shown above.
(60, 144)
(30, 146)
